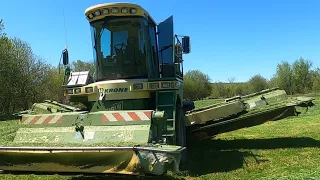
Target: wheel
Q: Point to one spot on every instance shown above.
(181, 132)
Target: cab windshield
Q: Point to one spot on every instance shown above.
(119, 48)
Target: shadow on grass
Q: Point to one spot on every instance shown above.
(8, 117)
(205, 161)
(272, 143)
(212, 156)
(130, 177)
(77, 176)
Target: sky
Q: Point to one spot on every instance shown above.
(229, 38)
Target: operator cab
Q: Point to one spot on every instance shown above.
(120, 48)
(130, 51)
(124, 42)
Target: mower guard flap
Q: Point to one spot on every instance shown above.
(124, 160)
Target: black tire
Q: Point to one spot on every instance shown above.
(181, 132)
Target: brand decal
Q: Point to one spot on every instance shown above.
(113, 90)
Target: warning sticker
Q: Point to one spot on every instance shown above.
(88, 135)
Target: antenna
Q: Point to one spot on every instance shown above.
(65, 29)
(65, 35)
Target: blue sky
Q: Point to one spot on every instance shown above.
(230, 38)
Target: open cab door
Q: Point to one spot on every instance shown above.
(166, 50)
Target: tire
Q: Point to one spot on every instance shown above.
(181, 132)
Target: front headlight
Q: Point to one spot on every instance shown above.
(89, 89)
(174, 84)
(77, 91)
(154, 85)
(69, 91)
(137, 86)
(165, 85)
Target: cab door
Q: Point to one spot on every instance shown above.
(166, 50)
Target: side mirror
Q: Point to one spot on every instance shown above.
(186, 45)
(65, 57)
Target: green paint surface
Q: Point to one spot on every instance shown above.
(92, 134)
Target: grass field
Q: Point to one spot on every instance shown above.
(285, 149)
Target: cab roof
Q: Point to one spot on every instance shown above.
(100, 11)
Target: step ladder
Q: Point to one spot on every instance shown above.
(166, 101)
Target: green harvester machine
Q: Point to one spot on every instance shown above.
(132, 117)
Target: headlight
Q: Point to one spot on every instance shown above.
(90, 16)
(97, 13)
(77, 91)
(154, 85)
(105, 11)
(124, 10)
(133, 11)
(165, 85)
(137, 86)
(174, 84)
(89, 89)
(115, 10)
(69, 91)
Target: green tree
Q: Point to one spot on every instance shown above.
(302, 77)
(8, 73)
(316, 86)
(196, 85)
(80, 65)
(257, 83)
(316, 80)
(240, 89)
(32, 75)
(284, 77)
(1, 26)
(218, 90)
(24, 77)
(53, 88)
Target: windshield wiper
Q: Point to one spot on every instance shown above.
(132, 77)
(123, 77)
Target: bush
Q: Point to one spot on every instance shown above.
(257, 83)
(196, 85)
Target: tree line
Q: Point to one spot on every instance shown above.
(26, 78)
(299, 77)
